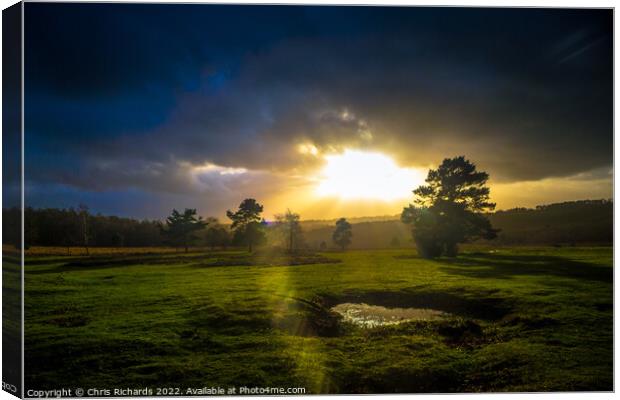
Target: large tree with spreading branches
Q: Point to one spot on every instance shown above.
(450, 208)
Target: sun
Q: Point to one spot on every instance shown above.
(356, 174)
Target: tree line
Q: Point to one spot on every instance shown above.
(73, 227)
(77, 227)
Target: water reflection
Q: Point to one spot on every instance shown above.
(369, 316)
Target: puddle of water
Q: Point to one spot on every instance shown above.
(369, 316)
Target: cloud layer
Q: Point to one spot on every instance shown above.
(140, 97)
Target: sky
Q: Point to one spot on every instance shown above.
(135, 109)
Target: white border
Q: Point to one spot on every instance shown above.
(466, 3)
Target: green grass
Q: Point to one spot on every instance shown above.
(11, 319)
(524, 319)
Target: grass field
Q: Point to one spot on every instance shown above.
(522, 319)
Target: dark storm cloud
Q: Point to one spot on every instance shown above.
(106, 49)
(131, 96)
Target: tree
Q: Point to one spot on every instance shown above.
(216, 234)
(290, 230)
(69, 224)
(450, 208)
(180, 228)
(342, 234)
(85, 225)
(246, 224)
(252, 234)
(30, 230)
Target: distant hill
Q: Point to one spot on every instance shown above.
(574, 222)
(317, 223)
(569, 223)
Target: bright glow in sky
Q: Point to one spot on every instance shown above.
(357, 174)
